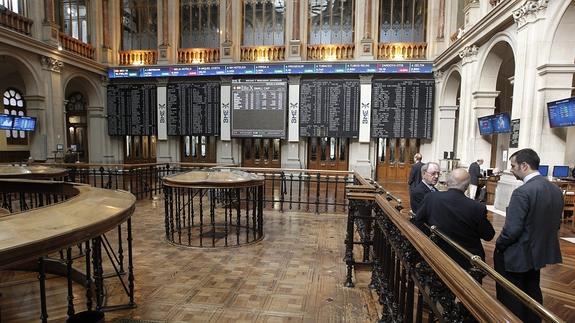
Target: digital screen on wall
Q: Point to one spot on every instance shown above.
(24, 123)
(6, 121)
(259, 108)
(501, 123)
(485, 125)
(561, 113)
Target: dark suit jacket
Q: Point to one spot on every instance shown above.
(415, 175)
(529, 239)
(460, 218)
(474, 173)
(416, 196)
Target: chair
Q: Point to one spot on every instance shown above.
(569, 206)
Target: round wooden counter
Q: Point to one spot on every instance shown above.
(213, 208)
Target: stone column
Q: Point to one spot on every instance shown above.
(483, 105)
(36, 107)
(467, 118)
(293, 29)
(445, 131)
(53, 120)
(225, 144)
(366, 43)
(359, 158)
(49, 25)
(164, 49)
(291, 148)
(226, 11)
(98, 135)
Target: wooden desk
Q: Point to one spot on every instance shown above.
(490, 186)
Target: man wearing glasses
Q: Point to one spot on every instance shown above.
(430, 176)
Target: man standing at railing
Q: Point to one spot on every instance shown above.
(529, 239)
(464, 221)
(415, 174)
(430, 176)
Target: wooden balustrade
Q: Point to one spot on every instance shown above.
(74, 45)
(402, 50)
(262, 54)
(330, 52)
(138, 57)
(14, 21)
(198, 55)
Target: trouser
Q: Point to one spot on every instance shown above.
(472, 191)
(527, 281)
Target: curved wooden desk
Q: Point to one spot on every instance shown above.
(88, 214)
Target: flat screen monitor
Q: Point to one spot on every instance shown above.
(561, 113)
(560, 171)
(501, 123)
(485, 125)
(24, 123)
(544, 170)
(6, 121)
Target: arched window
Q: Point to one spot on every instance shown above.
(331, 21)
(264, 23)
(199, 24)
(14, 105)
(139, 24)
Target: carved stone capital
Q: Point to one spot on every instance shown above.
(528, 10)
(468, 53)
(51, 64)
(438, 76)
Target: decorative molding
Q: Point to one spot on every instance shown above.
(529, 9)
(52, 64)
(438, 76)
(468, 53)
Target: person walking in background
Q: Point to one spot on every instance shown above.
(415, 174)
(430, 176)
(475, 174)
(529, 239)
(461, 219)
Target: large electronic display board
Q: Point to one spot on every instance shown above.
(259, 108)
(270, 69)
(402, 108)
(132, 109)
(329, 108)
(193, 108)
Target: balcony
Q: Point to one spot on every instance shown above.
(76, 46)
(14, 21)
(138, 57)
(262, 54)
(198, 55)
(402, 51)
(331, 52)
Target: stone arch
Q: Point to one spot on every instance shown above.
(562, 23)
(451, 88)
(496, 52)
(78, 82)
(21, 71)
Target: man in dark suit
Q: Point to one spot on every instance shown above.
(430, 176)
(475, 174)
(415, 175)
(461, 219)
(529, 239)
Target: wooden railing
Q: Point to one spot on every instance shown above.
(330, 52)
(138, 57)
(412, 276)
(198, 55)
(74, 45)
(402, 51)
(262, 54)
(15, 21)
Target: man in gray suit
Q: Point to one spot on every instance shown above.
(529, 239)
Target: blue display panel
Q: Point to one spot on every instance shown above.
(560, 171)
(485, 125)
(543, 170)
(6, 121)
(24, 123)
(501, 123)
(269, 69)
(561, 113)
